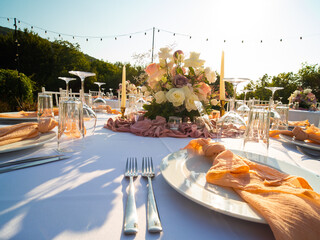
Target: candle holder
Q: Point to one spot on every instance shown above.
(222, 111)
(123, 109)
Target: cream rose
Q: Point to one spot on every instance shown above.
(176, 96)
(160, 97)
(214, 102)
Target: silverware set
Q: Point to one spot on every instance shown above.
(29, 162)
(131, 216)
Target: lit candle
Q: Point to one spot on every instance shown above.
(123, 92)
(222, 87)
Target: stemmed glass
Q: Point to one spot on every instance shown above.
(274, 114)
(232, 119)
(244, 108)
(111, 93)
(67, 80)
(273, 90)
(88, 113)
(99, 101)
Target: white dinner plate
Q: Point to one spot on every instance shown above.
(28, 143)
(300, 143)
(186, 173)
(17, 119)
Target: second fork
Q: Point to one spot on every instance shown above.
(154, 224)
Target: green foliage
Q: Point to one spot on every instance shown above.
(15, 90)
(166, 110)
(307, 77)
(44, 61)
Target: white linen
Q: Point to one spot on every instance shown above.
(300, 115)
(84, 196)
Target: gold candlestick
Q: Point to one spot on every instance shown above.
(222, 111)
(123, 109)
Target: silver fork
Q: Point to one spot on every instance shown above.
(131, 216)
(154, 224)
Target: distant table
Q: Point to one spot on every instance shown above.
(300, 115)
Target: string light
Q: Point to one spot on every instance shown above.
(130, 35)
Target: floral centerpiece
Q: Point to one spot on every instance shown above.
(304, 98)
(175, 83)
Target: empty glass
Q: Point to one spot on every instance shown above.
(71, 125)
(45, 109)
(67, 80)
(281, 122)
(174, 122)
(99, 103)
(257, 131)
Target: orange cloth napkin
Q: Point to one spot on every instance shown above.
(303, 123)
(288, 203)
(21, 131)
(23, 114)
(107, 108)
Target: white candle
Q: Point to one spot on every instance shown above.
(222, 87)
(123, 92)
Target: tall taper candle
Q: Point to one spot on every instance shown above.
(222, 87)
(123, 92)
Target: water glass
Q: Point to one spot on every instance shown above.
(281, 122)
(174, 122)
(71, 125)
(45, 110)
(257, 130)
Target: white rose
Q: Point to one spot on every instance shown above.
(296, 92)
(214, 102)
(176, 96)
(189, 102)
(160, 97)
(211, 75)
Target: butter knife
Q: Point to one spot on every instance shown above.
(31, 162)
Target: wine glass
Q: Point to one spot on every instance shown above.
(88, 114)
(99, 102)
(243, 109)
(82, 75)
(232, 122)
(67, 80)
(273, 90)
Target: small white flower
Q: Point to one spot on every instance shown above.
(160, 97)
(211, 75)
(144, 88)
(214, 102)
(165, 53)
(194, 61)
(306, 91)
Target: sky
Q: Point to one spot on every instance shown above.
(236, 27)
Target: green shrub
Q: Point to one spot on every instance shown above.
(16, 91)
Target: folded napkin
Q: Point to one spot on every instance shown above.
(21, 114)
(21, 131)
(310, 134)
(288, 203)
(107, 108)
(303, 123)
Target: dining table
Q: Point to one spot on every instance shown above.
(84, 196)
(301, 115)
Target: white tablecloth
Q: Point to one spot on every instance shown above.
(84, 196)
(300, 115)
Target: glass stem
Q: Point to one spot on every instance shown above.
(67, 89)
(234, 97)
(82, 90)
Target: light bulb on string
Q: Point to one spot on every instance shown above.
(115, 38)
(190, 37)
(8, 19)
(207, 39)
(300, 38)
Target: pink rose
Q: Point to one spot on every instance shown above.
(204, 88)
(152, 69)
